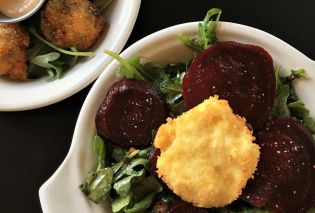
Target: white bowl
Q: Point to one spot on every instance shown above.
(61, 192)
(15, 96)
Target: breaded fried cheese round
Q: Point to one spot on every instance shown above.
(13, 56)
(207, 154)
(71, 23)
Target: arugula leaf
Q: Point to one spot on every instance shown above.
(120, 203)
(149, 185)
(300, 73)
(298, 109)
(42, 52)
(287, 102)
(100, 150)
(312, 210)
(54, 72)
(128, 169)
(143, 205)
(123, 186)
(206, 32)
(98, 184)
(127, 69)
(281, 109)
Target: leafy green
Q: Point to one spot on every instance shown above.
(126, 180)
(300, 73)
(98, 183)
(104, 8)
(281, 108)
(120, 203)
(50, 58)
(123, 186)
(128, 169)
(168, 79)
(101, 185)
(206, 32)
(127, 68)
(45, 61)
(287, 102)
(312, 210)
(100, 149)
(142, 205)
(148, 185)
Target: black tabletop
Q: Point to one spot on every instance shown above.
(35, 142)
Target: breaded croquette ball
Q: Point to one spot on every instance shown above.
(13, 56)
(71, 23)
(207, 154)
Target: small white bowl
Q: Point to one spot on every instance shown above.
(16, 96)
(61, 192)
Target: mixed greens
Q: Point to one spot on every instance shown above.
(47, 57)
(287, 103)
(123, 176)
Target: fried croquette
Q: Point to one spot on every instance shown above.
(13, 56)
(207, 154)
(71, 23)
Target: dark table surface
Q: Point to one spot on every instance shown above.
(35, 142)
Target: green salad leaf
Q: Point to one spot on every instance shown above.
(287, 102)
(126, 180)
(98, 183)
(100, 149)
(50, 58)
(142, 205)
(121, 203)
(45, 60)
(206, 32)
(312, 210)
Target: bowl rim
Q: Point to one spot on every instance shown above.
(130, 10)
(130, 51)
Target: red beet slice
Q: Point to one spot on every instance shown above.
(129, 113)
(184, 207)
(240, 73)
(285, 178)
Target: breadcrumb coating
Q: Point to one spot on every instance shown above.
(71, 23)
(13, 56)
(207, 154)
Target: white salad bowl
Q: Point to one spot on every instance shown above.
(16, 96)
(61, 192)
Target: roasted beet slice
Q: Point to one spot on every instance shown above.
(184, 207)
(240, 73)
(285, 177)
(129, 113)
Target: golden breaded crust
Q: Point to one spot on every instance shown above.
(13, 56)
(207, 154)
(71, 23)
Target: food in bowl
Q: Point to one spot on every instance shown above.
(73, 25)
(126, 179)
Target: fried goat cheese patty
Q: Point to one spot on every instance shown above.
(71, 23)
(13, 56)
(207, 154)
